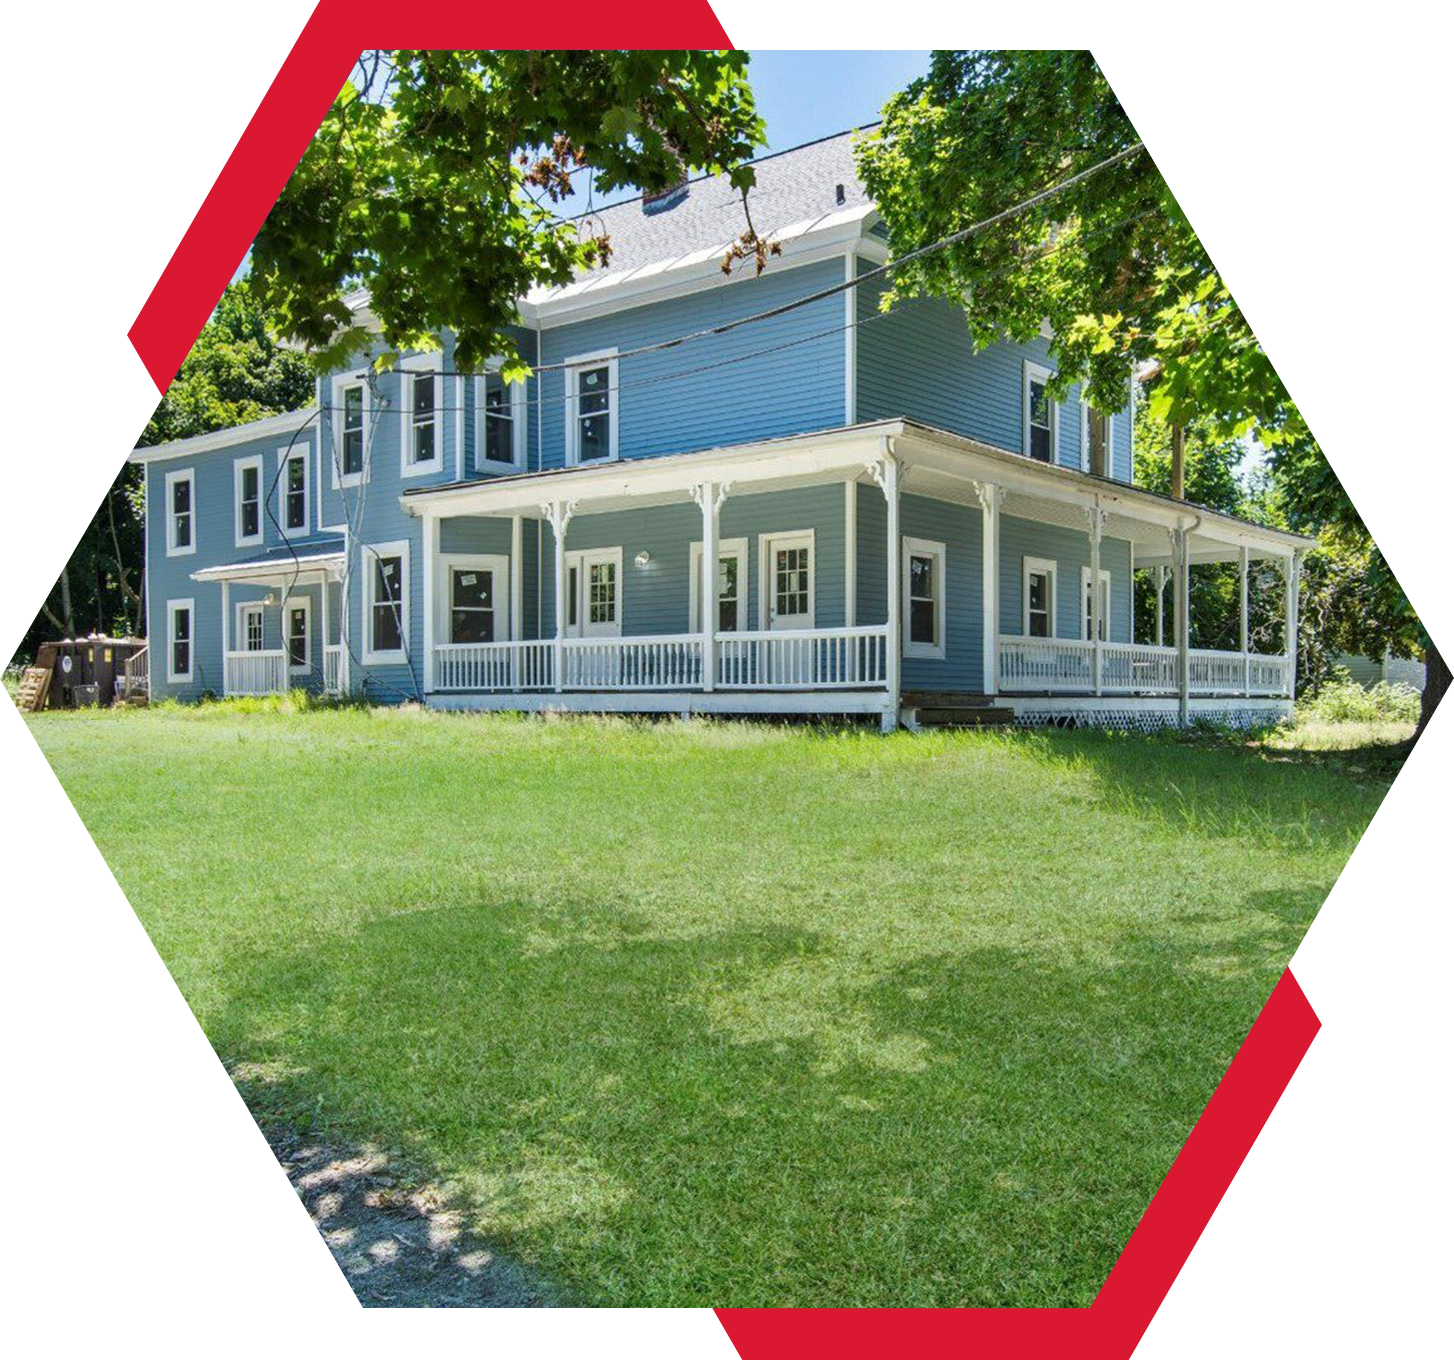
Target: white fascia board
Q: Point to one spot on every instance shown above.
(267, 428)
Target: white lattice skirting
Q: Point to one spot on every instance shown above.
(1147, 715)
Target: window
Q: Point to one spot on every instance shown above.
(1039, 598)
(731, 586)
(421, 406)
(590, 435)
(293, 492)
(1087, 604)
(179, 641)
(387, 572)
(1042, 423)
(923, 598)
(247, 484)
(1095, 441)
(350, 424)
(500, 413)
(181, 513)
(297, 634)
(250, 627)
(475, 598)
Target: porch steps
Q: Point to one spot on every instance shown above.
(956, 710)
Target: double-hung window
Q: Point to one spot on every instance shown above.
(591, 409)
(179, 641)
(247, 479)
(1039, 598)
(421, 412)
(500, 417)
(475, 599)
(297, 633)
(293, 491)
(1042, 422)
(181, 513)
(350, 422)
(386, 568)
(923, 606)
(1087, 630)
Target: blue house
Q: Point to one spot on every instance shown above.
(895, 522)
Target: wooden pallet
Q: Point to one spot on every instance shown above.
(34, 689)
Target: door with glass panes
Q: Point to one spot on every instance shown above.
(788, 606)
(593, 610)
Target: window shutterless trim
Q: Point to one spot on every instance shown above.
(518, 408)
(937, 552)
(1033, 372)
(284, 458)
(606, 359)
(1049, 568)
(340, 385)
(189, 476)
(369, 556)
(187, 607)
(410, 370)
(240, 467)
(498, 564)
(305, 603)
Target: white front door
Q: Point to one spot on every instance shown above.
(593, 594)
(788, 581)
(250, 627)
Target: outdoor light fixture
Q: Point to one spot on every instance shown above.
(643, 558)
(270, 599)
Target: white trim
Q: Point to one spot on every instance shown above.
(305, 603)
(369, 555)
(925, 547)
(340, 384)
(268, 428)
(175, 607)
(519, 425)
(188, 475)
(1033, 372)
(764, 577)
(496, 563)
(240, 612)
(726, 547)
(1050, 567)
(850, 553)
(850, 340)
(578, 558)
(239, 468)
(574, 365)
(284, 457)
(409, 371)
(1085, 635)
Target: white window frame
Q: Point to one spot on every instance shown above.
(175, 607)
(305, 603)
(518, 422)
(1085, 632)
(497, 563)
(925, 547)
(370, 554)
(340, 384)
(1085, 414)
(240, 611)
(605, 358)
(576, 559)
(188, 475)
(1033, 372)
(726, 547)
(1051, 568)
(301, 454)
(410, 370)
(239, 467)
(764, 575)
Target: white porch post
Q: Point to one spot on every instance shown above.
(1097, 520)
(1242, 622)
(517, 594)
(559, 513)
(1294, 572)
(431, 570)
(706, 495)
(1161, 606)
(1181, 606)
(226, 632)
(886, 471)
(850, 569)
(990, 496)
(323, 625)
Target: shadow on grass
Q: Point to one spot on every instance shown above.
(566, 1072)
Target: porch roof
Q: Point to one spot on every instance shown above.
(933, 463)
(321, 559)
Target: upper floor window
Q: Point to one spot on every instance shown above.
(293, 491)
(421, 413)
(500, 413)
(350, 423)
(1041, 432)
(591, 415)
(923, 598)
(247, 475)
(181, 513)
(1039, 598)
(1096, 436)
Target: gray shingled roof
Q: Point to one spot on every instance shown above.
(792, 186)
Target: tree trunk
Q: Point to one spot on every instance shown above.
(66, 612)
(1178, 462)
(1436, 683)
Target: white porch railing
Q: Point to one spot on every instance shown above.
(332, 669)
(1067, 666)
(818, 658)
(247, 673)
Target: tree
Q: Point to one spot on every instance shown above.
(435, 178)
(234, 373)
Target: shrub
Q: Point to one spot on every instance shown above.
(1342, 700)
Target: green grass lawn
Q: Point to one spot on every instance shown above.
(728, 1014)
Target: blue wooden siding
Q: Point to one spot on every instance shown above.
(919, 363)
(1069, 549)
